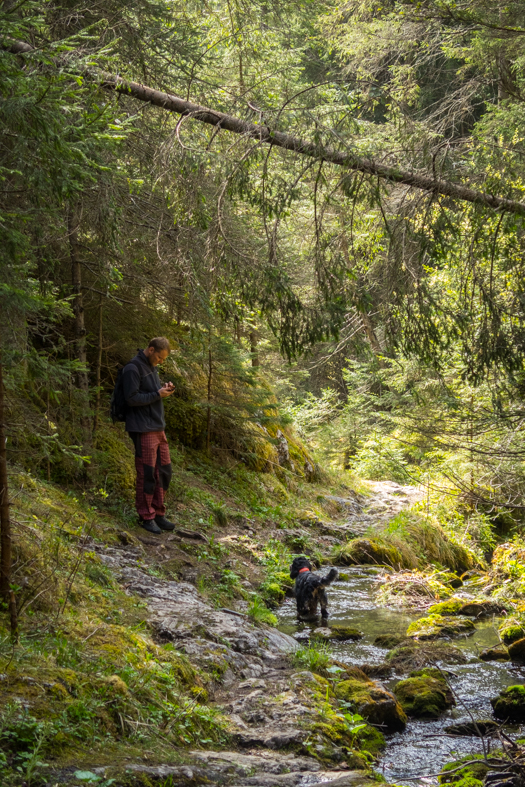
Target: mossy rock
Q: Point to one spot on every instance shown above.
(424, 696)
(373, 702)
(450, 607)
(336, 633)
(371, 740)
(415, 655)
(472, 775)
(389, 641)
(478, 608)
(438, 626)
(367, 551)
(511, 632)
(517, 651)
(509, 705)
(495, 654)
(343, 577)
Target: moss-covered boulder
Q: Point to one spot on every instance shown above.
(389, 641)
(499, 653)
(511, 631)
(478, 608)
(450, 607)
(336, 633)
(425, 694)
(412, 654)
(509, 705)
(371, 740)
(368, 551)
(471, 775)
(517, 651)
(439, 626)
(373, 702)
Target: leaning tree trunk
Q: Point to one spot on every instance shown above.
(6, 593)
(264, 134)
(73, 221)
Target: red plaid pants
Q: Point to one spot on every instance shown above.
(153, 465)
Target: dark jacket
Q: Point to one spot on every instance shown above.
(141, 391)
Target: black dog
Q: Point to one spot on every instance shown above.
(309, 588)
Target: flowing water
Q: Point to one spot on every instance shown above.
(416, 755)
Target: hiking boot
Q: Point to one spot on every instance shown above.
(164, 523)
(150, 525)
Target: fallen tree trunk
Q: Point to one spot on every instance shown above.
(264, 134)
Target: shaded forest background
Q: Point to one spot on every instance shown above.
(379, 324)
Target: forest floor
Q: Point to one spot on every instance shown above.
(269, 705)
(159, 663)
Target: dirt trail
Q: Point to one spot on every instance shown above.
(268, 703)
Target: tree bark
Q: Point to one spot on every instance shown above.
(208, 415)
(253, 349)
(264, 134)
(98, 368)
(73, 220)
(6, 593)
(5, 522)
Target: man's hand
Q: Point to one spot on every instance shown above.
(166, 390)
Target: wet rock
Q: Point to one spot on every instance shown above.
(270, 737)
(509, 705)
(482, 608)
(475, 729)
(377, 705)
(438, 626)
(389, 641)
(495, 654)
(424, 695)
(478, 608)
(517, 651)
(246, 764)
(416, 655)
(336, 632)
(365, 551)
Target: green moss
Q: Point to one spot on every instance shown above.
(510, 704)
(424, 696)
(371, 701)
(450, 607)
(472, 775)
(511, 631)
(436, 626)
(367, 551)
(337, 633)
(371, 740)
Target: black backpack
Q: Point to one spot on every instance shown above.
(118, 407)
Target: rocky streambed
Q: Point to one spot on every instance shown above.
(417, 754)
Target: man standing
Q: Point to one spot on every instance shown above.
(145, 424)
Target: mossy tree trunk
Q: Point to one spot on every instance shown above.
(6, 591)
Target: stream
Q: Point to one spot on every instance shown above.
(416, 755)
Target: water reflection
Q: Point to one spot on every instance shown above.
(419, 753)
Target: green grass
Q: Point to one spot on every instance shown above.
(316, 657)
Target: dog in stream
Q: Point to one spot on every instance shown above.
(309, 590)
